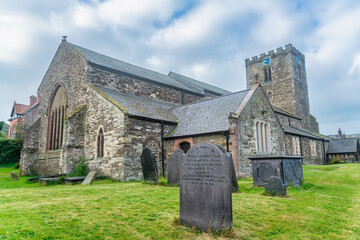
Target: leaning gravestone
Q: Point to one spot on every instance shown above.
(149, 165)
(89, 178)
(234, 182)
(174, 167)
(205, 188)
(275, 186)
(14, 176)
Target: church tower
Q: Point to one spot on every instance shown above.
(282, 75)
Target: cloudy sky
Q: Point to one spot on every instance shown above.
(208, 40)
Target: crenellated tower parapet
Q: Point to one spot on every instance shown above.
(282, 74)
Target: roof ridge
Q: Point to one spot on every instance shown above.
(214, 98)
(352, 138)
(200, 82)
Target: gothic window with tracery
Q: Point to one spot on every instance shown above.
(56, 119)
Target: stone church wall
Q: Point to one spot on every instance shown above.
(30, 150)
(311, 149)
(140, 134)
(258, 109)
(289, 121)
(100, 77)
(103, 114)
(69, 70)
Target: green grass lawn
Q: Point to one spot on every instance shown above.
(327, 207)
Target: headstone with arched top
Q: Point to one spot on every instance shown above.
(174, 167)
(205, 188)
(149, 165)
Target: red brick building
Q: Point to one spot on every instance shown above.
(16, 126)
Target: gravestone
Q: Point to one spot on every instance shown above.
(149, 165)
(14, 176)
(234, 182)
(205, 188)
(275, 186)
(89, 178)
(174, 167)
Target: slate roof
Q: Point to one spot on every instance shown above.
(296, 131)
(19, 109)
(347, 145)
(281, 111)
(141, 106)
(115, 64)
(190, 82)
(206, 116)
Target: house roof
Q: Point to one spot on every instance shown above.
(127, 68)
(206, 116)
(140, 106)
(192, 83)
(19, 109)
(347, 145)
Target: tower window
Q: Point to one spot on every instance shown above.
(100, 143)
(300, 75)
(267, 73)
(270, 95)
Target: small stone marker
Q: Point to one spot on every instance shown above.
(205, 188)
(89, 178)
(174, 167)
(14, 176)
(149, 165)
(275, 186)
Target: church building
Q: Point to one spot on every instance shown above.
(108, 111)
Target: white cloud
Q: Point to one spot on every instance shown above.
(209, 42)
(16, 36)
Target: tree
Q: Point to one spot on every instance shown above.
(2, 134)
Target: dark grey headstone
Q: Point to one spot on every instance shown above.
(149, 165)
(174, 167)
(275, 186)
(14, 176)
(205, 188)
(89, 178)
(234, 182)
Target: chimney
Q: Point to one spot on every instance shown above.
(32, 100)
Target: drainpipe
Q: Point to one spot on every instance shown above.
(162, 149)
(301, 151)
(227, 140)
(182, 98)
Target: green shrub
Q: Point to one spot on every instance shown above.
(10, 150)
(163, 181)
(80, 169)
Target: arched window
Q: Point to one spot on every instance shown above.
(56, 115)
(185, 146)
(100, 143)
(262, 137)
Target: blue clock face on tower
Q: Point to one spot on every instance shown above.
(266, 61)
